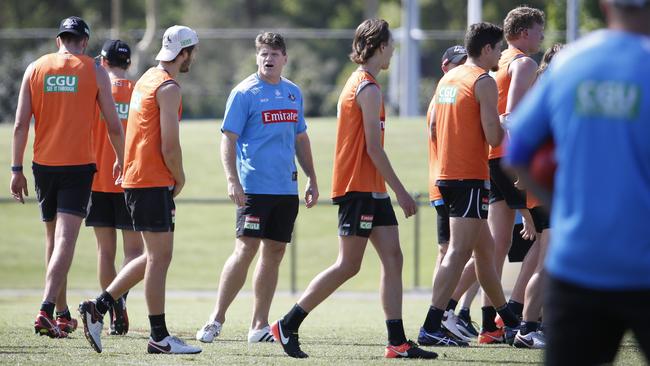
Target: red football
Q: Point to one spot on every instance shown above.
(543, 164)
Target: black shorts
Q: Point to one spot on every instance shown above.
(359, 212)
(63, 189)
(442, 221)
(468, 199)
(268, 216)
(540, 218)
(502, 187)
(108, 209)
(585, 326)
(151, 209)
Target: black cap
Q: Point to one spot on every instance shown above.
(116, 52)
(74, 25)
(454, 54)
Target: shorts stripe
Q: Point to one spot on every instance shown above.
(469, 204)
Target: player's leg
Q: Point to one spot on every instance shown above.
(106, 238)
(385, 239)
(528, 268)
(265, 280)
(277, 233)
(490, 281)
(526, 338)
(233, 275)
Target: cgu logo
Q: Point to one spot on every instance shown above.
(122, 110)
(608, 99)
(447, 94)
(60, 83)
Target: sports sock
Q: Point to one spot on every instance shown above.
(64, 314)
(452, 304)
(125, 295)
(529, 327)
(516, 307)
(48, 308)
(433, 320)
(396, 334)
(489, 313)
(158, 327)
(509, 318)
(104, 302)
(464, 314)
(294, 318)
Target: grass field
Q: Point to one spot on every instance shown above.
(347, 329)
(204, 232)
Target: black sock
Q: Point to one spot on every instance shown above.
(516, 307)
(464, 314)
(158, 327)
(489, 313)
(64, 314)
(48, 308)
(396, 334)
(104, 302)
(294, 318)
(452, 304)
(509, 318)
(433, 319)
(529, 327)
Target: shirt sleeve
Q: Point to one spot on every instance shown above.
(236, 115)
(531, 124)
(301, 126)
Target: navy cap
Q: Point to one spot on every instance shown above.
(454, 54)
(116, 52)
(74, 25)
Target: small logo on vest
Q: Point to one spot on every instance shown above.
(122, 110)
(136, 100)
(60, 84)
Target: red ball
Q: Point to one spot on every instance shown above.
(543, 165)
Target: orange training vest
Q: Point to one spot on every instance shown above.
(354, 171)
(63, 96)
(104, 154)
(461, 146)
(144, 165)
(503, 79)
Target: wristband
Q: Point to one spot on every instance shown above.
(16, 168)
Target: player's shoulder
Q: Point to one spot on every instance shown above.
(249, 84)
(291, 85)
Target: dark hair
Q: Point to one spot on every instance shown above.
(369, 35)
(69, 37)
(481, 34)
(121, 65)
(273, 40)
(548, 56)
(188, 49)
(520, 19)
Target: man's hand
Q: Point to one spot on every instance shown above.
(528, 231)
(236, 193)
(18, 186)
(311, 194)
(178, 187)
(117, 172)
(407, 203)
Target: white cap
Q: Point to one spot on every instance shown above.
(174, 40)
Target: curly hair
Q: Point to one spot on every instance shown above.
(273, 40)
(520, 19)
(369, 36)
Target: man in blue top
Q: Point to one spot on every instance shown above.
(596, 109)
(263, 130)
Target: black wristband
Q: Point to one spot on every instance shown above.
(16, 168)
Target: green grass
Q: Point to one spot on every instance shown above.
(330, 336)
(204, 232)
(343, 330)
